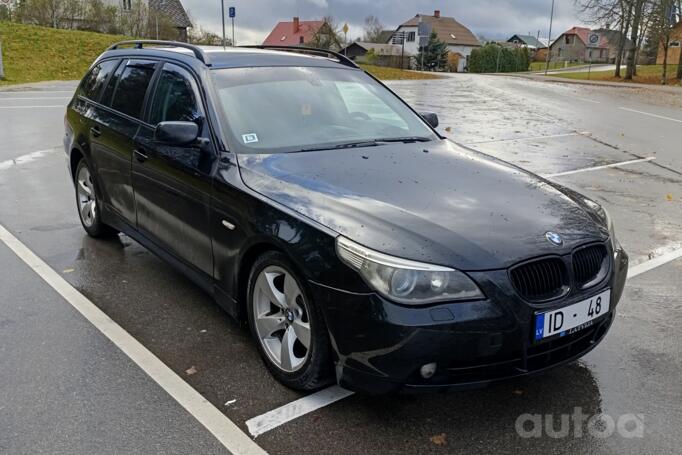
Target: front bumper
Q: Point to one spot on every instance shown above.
(380, 346)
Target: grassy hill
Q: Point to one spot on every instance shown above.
(32, 54)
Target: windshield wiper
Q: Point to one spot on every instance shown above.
(369, 143)
(405, 139)
(346, 145)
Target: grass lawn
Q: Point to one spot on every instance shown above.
(32, 54)
(540, 66)
(646, 74)
(385, 74)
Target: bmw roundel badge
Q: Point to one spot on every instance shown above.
(554, 238)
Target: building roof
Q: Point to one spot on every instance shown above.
(379, 48)
(612, 37)
(174, 10)
(528, 40)
(385, 36)
(583, 33)
(284, 33)
(447, 29)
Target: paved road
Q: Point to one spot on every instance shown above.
(52, 359)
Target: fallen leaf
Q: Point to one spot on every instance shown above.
(669, 197)
(448, 130)
(439, 439)
(191, 370)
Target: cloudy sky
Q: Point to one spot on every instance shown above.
(489, 18)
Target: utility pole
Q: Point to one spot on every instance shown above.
(499, 52)
(549, 39)
(2, 71)
(222, 4)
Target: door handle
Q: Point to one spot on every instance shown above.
(139, 156)
(96, 132)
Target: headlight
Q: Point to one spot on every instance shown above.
(405, 281)
(606, 218)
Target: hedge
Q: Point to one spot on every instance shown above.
(487, 58)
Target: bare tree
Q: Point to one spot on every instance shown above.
(372, 30)
(327, 36)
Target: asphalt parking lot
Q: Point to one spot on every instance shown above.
(144, 362)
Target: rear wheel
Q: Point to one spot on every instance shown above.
(289, 329)
(86, 200)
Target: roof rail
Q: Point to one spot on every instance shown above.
(138, 44)
(307, 50)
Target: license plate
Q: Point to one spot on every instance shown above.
(571, 318)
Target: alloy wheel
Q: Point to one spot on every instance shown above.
(281, 318)
(87, 203)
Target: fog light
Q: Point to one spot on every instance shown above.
(428, 370)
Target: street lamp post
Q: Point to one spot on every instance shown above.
(549, 39)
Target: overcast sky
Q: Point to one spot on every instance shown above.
(490, 18)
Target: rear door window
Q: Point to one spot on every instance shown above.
(94, 81)
(131, 87)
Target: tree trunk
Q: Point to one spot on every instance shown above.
(621, 46)
(679, 63)
(627, 17)
(666, 45)
(636, 21)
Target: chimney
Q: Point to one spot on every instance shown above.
(436, 14)
(296, 25)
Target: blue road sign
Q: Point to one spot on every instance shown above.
(233, 11)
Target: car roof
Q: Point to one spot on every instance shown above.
(232, 57)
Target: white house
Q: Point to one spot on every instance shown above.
(459, 38)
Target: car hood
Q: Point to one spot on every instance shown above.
(433, 202)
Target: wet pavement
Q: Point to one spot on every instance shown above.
(61, 378)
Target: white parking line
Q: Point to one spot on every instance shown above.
(32, 107)
(225, 431)
(586, 99)
(290, 411)
(23, 92)
(653, 263)
(605, 166)
(23, 159)
(38, 98)
(530, 138)
(651, 115)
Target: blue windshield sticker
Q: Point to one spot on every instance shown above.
(249, 138)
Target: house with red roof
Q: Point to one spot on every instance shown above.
(293, 33)
(580, 44)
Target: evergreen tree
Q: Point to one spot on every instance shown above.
(434, 54)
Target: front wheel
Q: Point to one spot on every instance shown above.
(289, 329)
(86, 200)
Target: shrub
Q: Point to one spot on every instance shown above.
(493, 58)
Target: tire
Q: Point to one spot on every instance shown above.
(275, 319)
(87, 203)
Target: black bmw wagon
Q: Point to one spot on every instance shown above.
(360, 246)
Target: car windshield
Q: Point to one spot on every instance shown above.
(290, 109)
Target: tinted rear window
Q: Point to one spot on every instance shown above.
(94, 81)
(132, 87)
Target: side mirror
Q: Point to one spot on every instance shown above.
(431, 118)
(176, 133)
